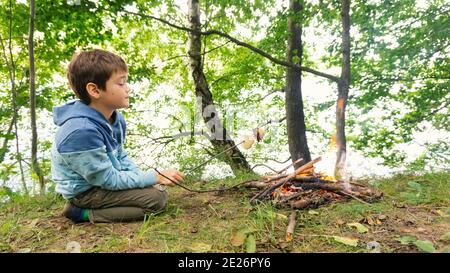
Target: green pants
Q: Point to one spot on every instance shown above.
(121, 206)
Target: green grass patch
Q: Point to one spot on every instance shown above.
(414, 206)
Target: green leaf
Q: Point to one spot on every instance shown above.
(415, 185)
(250, 244)
(425, 246)
(360, 227)
(406, 240)
(281, 216)
(346, 241)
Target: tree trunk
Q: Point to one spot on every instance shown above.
(219, 137)
(343, 89)
(11, 67)
(295, 118)
(4, 148)
(34, 162)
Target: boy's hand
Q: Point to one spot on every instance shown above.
(172, 174)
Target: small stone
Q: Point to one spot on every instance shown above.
(73, 247)
(374, 247)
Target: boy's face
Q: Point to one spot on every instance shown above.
(117, 91)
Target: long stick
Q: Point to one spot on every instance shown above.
(226, 150)
(290, 165)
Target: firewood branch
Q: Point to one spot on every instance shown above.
(268, 191)
(291, 226)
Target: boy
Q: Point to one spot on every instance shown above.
(89, 164)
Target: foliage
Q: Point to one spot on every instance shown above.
(399, 58)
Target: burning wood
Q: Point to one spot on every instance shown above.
(304, 188)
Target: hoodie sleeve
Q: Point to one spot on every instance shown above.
(126, 162)
(95, 166)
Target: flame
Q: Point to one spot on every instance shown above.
(327, 165)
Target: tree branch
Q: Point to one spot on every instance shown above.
(238, 42)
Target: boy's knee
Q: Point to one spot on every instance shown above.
(162, 200)
(157, 199)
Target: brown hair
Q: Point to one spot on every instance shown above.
(95, 66)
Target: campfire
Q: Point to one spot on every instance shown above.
(311, 186)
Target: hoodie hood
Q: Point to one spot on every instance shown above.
(76, 119)
(78, 109)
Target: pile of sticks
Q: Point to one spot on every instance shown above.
(306, 189)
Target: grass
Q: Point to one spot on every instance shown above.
(414, 206)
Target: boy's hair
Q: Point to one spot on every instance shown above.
(95, 66)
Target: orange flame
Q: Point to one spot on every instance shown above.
(327, 165)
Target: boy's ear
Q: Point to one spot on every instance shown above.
(93, 90)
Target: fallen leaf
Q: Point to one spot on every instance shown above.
(360, 227)
(400, 205)
(445, 237)
(421, 230)
(250, 244)
(313, 212)
(378, 222)
(73, 247)
(24, 250)
(370, 221)
(441, 213)
(346, 241)
(193, 230)
(33, 223)
(238, 237)
(425, 246)
(199, 247)
(445, 249)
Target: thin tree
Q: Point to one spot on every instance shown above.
(343, 89)
(10, 65)
(34, 137)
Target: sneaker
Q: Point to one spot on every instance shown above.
(73, 212)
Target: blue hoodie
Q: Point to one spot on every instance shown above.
(88, 151)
